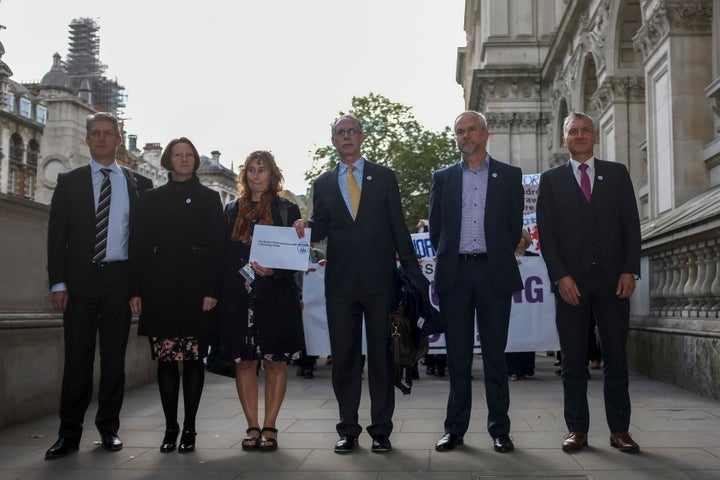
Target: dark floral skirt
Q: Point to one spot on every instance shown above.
(173, 349)
(251, 349)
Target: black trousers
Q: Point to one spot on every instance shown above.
(102, 315)
(345, 320)
(473, 296)
(612, 316)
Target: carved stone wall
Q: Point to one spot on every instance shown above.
(643, 68)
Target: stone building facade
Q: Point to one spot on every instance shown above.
(42, 133)
(649, 72)
(22, 120)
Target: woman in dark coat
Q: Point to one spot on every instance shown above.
(176, 264)
(521, 364)
(260, 319)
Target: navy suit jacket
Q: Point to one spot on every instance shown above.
(71, 226)
(559, 216)
(361, 253)
(503, 224)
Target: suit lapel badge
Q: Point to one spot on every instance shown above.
(599, 177)
(369, 177)
(494, 175)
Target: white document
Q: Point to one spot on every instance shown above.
(280, 247)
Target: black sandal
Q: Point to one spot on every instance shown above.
(251, 442)
(267, 444)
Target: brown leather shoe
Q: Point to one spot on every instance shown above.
(574, 441)
(623, 442)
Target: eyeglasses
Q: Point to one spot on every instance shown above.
(350, 132)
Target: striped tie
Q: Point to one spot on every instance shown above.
(102, 217)
(353, 189)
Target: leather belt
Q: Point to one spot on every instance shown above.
(109, 264)
(473, 257)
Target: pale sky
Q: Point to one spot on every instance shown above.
(242, 75)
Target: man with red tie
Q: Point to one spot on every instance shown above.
(589, 233)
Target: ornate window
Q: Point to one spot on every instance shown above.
(10, 98)
(41, 114)
(25, 107)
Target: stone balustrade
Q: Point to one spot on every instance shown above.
(685, 282)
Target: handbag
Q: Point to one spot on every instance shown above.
(408, 346)
(219, 363)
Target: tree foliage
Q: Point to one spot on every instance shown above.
(397, 140)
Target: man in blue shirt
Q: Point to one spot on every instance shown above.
(476, 208)
(88, 233)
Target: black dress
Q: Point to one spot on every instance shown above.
(176, 260)
(275, 331)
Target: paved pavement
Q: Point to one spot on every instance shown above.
(678, 431)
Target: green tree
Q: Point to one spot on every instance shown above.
(397, 140)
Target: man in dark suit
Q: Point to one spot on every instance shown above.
(589, 235)
(89, 282)
(356, 206)
(476, 208)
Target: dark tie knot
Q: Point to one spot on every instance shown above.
(583, 167)
(105, 171)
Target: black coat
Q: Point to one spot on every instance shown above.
(560, 218)
(277, 314)
(71, 226)
(503, 224)
(176, 259)
(361, 253)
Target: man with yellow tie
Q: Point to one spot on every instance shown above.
(356, 206)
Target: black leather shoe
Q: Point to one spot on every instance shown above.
(169, 442)
(448, 442)
(503, 444)
(110, 441)
(62, 447)
(187, 442)
(381, 444)
(346, 444)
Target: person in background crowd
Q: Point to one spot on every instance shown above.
(521, 364)
(589, 232)
(91, 213)
(306, 363)
(435, 363)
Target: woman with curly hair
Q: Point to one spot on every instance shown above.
(260, 317)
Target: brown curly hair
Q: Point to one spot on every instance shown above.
(249, 215)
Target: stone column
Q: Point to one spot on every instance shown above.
(675, 41)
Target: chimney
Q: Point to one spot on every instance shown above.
(151, 154)
(215, 156)
(85, 92)
(132, 143)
